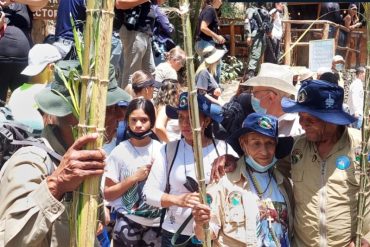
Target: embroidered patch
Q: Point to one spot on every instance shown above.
(342, 162)
(183, 101)
(235, 198)
(302, 96)
(265, 122)
(209, 199)
(297, 155)
(329, 102)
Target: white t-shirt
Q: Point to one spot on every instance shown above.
(273, 210)
(24, 107)
(183, 166)
(123, 162)
(356, 97)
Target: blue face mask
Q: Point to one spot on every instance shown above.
(256, 105)
(257, 167)
(339, 66)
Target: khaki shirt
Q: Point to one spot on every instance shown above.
(235, 224)
(325, 193)
(29, 214)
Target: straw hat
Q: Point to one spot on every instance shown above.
(212, 55)
(274, 76)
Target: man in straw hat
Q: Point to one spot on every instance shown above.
(35, 182)
(268, 88)
(325, 169)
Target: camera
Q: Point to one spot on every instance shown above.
(131, 17)
(156, 49)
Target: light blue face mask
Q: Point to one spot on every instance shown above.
(257, 167)
(256, 105)
(339, 66)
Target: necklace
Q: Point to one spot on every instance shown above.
(256, 185)
(258, 189)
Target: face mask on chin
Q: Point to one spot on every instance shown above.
(256, 105)
(138, 136)
(256, 166)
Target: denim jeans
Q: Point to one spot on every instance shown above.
(167, 236)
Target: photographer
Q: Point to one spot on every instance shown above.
(257, 26)
(15, 41)
(136, 32)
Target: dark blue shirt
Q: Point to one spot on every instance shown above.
(64, 26)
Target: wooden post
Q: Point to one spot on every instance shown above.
(232, 38)
(325, 34)
(288, 41)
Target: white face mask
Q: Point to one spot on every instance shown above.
(339, 66)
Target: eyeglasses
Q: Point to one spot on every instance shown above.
(254, 93)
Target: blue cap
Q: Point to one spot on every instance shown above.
(211, 110)
(266, 125)
(320, 99)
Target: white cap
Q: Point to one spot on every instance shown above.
(39, 57)
(338, 58)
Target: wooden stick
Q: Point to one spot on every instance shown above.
(365, 139)
(194, 112)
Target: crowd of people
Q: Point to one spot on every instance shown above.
(281, 157)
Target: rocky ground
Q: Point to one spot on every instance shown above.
(229, 90)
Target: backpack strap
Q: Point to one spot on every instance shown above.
(38, 143)
(121, 131)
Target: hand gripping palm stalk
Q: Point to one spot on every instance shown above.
(194, 110)
(94, 56)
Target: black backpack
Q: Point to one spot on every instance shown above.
(14, 135)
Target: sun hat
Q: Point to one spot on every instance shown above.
(273, 76)
(212, 55)
(352, 6)
(39, 57)
(266, 125)
(211, 110)
(144, 84)
(321, 99)
(50, 101)
(338, 58)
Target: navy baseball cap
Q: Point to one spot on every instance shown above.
(211, 110)
(266, 125)
(320, 99)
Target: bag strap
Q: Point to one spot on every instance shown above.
(178, 233)
(171, 152)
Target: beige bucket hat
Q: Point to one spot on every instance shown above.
(275, 76)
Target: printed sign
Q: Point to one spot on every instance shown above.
(49, 12)
(321, 53)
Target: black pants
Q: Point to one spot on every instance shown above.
(10, 75)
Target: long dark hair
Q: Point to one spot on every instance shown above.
(144, 104)
(207, 2)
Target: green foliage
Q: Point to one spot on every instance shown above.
(231, 68)
(230, 10)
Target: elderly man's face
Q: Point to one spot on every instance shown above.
(265, 95)
(316, 129)
(260, 147)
